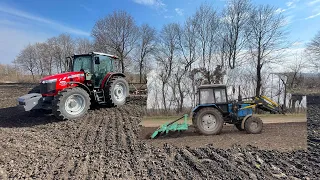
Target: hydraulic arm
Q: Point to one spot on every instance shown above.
(264, 103)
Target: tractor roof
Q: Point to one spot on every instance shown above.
(99, 53)
(104, 54)
(205, 86)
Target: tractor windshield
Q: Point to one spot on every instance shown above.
(82, 63)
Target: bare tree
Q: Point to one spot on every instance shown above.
(67, 47)
(83, 45)
(145, 46)
(50, 49)
(44, 62)
(27, 60)
(63, 46)
(116, 33)
(266, 38)
(313, 51)
(235, 20)
(206, 21)
(166, 51)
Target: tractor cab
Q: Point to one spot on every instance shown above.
(212, 94)
(95, 66)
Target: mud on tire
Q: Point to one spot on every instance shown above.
(253, 125)
(205, 115)
(115, 87)
(62, 112)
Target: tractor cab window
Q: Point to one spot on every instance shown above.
(82, 63)
(220, 95)
(206, 96)
(101, 69)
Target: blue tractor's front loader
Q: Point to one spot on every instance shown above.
(213, 110)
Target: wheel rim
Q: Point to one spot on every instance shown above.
(208, 122)
(119, 91)
(75, 104)
(254, 125)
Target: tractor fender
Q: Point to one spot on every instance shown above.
(197, 108)
(83, 86)
(244, 120)
(108, 77)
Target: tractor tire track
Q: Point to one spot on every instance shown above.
(98, 158)
(82, 169)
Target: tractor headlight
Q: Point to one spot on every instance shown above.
(49, 81)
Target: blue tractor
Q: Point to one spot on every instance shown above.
(213, 110)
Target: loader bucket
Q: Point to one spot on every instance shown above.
(170, 127)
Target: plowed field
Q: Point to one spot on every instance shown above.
(105, 144)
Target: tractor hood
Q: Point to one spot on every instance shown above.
(63, 76)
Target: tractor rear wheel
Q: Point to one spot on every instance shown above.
(253, 125)
(118, 91)
(71, 103)
(209, 121)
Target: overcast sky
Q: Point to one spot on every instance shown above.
(29, 21)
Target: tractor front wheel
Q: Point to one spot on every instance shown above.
(253, 125)
(118, 91)
(209, 121)
(71, 103)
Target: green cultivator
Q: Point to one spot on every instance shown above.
(171, 127)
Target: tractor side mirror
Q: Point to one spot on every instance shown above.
(96, 60)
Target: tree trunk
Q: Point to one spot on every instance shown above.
(32, 76)
(258, 78)
(181, 98)
(164, 98)
(140, 70)
(285, 96)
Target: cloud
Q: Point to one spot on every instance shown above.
(297, 43)
(313, 2)
(289, 3)
(280, 10)
(292, 4)
(86, 8)
(168, 17)
(313, 16)
(39, 19)
(179, 11)
(151, 3)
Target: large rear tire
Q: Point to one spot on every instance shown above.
(71, 103)
(117, 91)
(209, 121)
(253, 125)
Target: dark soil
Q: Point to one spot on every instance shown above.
(105, 145)
(282, 137)
(313, 121)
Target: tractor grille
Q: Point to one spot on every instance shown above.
(47, 88)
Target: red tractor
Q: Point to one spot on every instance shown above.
(93, 78)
